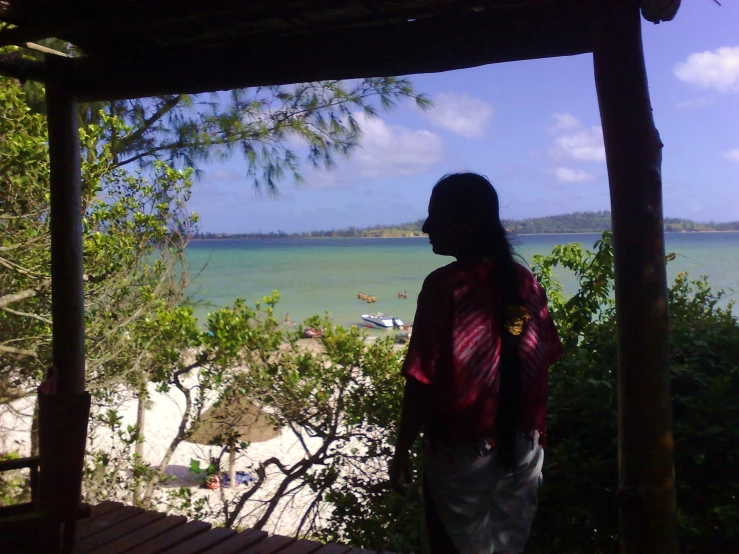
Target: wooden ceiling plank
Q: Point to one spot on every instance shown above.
(419, 47)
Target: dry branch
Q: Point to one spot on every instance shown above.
(19, 351)
(9, 299)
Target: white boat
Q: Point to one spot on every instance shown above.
(382, 321)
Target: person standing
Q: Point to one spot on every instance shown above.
(476, 379)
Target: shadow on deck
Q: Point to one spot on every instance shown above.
(114, 529)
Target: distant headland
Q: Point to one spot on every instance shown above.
(576, 222)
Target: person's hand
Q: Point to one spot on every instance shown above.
(400, 466)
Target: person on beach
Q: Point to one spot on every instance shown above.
(476, 380)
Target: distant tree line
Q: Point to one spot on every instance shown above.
(576, 222)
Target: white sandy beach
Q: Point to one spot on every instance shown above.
(162, 420)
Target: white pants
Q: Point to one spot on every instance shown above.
(481, 507)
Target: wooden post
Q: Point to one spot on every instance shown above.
(67, 298)
(634, 158)
(64, 409)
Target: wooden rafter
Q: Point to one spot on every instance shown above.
(94, 24)
(43, 49)
(132, 50)
(415, 47)
(15, 65)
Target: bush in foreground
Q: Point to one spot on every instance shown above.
(578, 508)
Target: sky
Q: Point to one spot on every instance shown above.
(531, 127)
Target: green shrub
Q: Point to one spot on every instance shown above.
(578, 510)
(14, 485)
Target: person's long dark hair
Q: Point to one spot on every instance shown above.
(474, 197)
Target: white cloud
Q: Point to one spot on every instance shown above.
(573, 141)
(384, 151)
(225, 175)
(395, 150)
(718, 69)
(564, 121)
(569, 175)
(461, 114)
(700, 102)
(732, 155)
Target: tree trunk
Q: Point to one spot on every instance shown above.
(141, 422)
(232, 465)
(181, 434)
(634, 157)
(143, 397)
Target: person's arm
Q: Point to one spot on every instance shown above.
(412, 417)
(419, 369)
(413, 413)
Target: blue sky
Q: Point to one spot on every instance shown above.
(533, 128)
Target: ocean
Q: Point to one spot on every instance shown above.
(315, 276)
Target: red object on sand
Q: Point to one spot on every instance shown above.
(311, 333)
(213, 482)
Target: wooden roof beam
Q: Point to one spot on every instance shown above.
(19, 35)
(16, 66)
(433, 45)
(44, 49)
(85, 18)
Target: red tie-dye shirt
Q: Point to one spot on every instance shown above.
(455, 349)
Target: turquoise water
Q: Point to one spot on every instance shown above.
(316, 276)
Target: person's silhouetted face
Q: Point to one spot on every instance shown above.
(447, 231)
(461, 208)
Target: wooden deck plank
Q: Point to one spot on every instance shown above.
(173, 537)
(113, 528)
(333, 548)
(137, 539)
(131, 525)
(302, 547)
(239, 543)
(270, 545)
(202, 542)
(89, 527)
(103, 508)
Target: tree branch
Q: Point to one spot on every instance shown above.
(20, 351)
(25, 314)
(277, 497)
(181, 435)
(261, 477)
(9, 299)
(166, 107)
(313, 506)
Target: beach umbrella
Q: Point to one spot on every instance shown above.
(237, 418)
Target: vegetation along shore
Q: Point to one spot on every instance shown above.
(576, 222)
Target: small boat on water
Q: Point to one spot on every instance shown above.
(382, 321)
